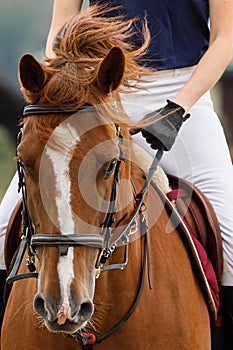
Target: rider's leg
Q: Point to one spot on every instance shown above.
(199, 155)
(212, 172)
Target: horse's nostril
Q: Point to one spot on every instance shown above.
(86, 309)
(39, 305)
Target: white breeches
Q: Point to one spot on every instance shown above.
(200, 155)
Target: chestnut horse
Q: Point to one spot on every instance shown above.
(112, 267)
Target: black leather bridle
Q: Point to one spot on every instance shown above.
(108, 238)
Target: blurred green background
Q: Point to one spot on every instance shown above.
(24, 26)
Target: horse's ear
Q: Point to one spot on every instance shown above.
(31, 73)
(111, 70)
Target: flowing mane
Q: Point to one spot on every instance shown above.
(84, 42)
(80, 48)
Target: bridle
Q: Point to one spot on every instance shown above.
(106, 241)
(108, 238)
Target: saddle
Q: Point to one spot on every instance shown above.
(199, 215)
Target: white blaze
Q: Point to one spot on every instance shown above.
(66, 275)
(60, 156)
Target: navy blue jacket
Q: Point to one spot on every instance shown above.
(179, 29)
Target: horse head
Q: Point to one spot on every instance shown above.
(73, 153)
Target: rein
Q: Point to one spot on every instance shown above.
(106, 241)
(88, 339)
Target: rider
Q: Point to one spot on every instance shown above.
(190, 55)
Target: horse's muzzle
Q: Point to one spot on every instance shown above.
(68, 322)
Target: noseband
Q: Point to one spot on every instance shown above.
(108, 238)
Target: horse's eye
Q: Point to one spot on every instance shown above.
(110, 168)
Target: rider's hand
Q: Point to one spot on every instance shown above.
(162, 133)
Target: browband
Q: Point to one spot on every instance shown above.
(42, 109)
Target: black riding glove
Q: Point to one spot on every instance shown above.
(162, 134)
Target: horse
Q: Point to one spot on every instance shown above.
(113, 270)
